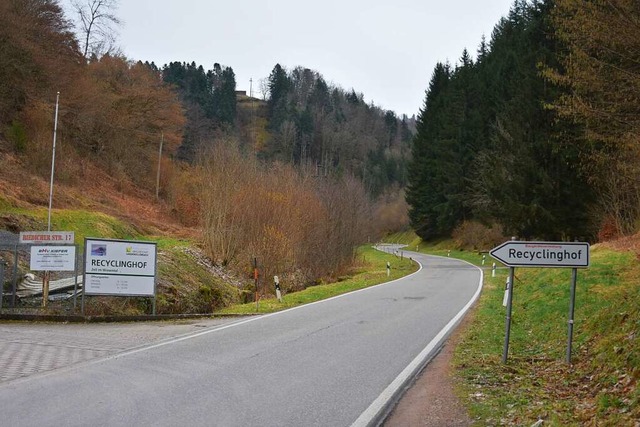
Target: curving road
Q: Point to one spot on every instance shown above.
(338, 362)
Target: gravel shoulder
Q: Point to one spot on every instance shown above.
(431, 401)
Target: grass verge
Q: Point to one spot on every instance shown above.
(600, 387)
(371, 271)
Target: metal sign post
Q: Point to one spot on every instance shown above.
(507, 322)
(84, 283)
(1, 282)
(572, 302)
(75, 283)
(14, 280)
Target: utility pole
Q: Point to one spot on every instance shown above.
(253, 125)
(159, 162)
(45, 279)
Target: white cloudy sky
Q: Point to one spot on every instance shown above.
(384, 49)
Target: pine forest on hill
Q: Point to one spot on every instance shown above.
(297, 179)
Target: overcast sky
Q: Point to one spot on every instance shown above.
(385, 49)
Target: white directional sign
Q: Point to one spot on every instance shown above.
(542, 254)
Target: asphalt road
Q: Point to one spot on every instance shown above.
(333, 363)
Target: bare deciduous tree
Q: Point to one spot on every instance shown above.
(263, 87)
(300, 227)
(97, 25)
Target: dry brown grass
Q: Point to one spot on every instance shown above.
(91, 189)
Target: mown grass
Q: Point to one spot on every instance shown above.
(82, 223)
(403, 238)
(371, 271)
(600, 387)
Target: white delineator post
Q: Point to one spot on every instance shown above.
(276, 281)
(388, 268)
(507, 289)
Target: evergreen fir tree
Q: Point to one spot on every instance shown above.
(279, 87)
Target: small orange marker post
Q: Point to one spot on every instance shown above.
(255, 278)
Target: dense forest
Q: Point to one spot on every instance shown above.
(295, 179)
(536, 137)
(304, 122)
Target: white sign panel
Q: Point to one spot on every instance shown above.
(104, 284)
(41, 237)
(542, 254)
(120, 267)
(53, 258)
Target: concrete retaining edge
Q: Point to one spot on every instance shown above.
(75, 318)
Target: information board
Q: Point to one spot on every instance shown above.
(53, 258)
(120, 267)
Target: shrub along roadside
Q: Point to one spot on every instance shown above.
(599, 388)
(370, 270)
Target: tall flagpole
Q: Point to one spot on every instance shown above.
(45, 281)
(53, 160)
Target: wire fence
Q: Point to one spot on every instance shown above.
(22, 289)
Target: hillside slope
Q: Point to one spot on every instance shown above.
(101, 206)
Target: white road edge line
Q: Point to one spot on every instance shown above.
(375, 413)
